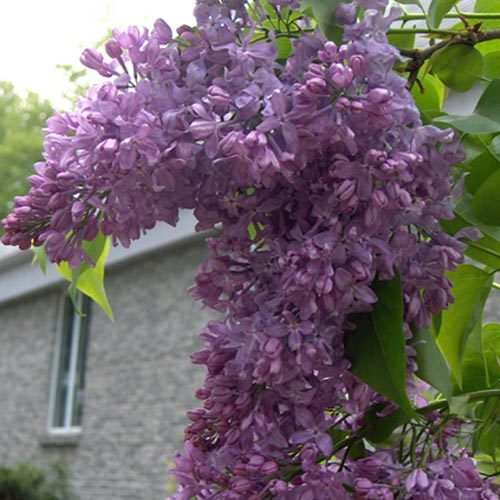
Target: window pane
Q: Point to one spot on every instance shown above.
(80, 365)
(61, 389)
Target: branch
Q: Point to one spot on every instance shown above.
(419, 56)
(459, 37)
(468, 15)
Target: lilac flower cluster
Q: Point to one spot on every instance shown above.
(319, 176)
(381, 476)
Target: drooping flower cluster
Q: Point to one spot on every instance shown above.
(320, 178)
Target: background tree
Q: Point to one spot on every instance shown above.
(21, 120)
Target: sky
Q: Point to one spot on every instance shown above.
(36, 35)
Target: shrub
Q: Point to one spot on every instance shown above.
(24, 481)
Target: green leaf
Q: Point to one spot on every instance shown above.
(409, 2)
(464, 209)
(406, 41)
(432, 96)
(458, 66)
(491, 66)
(284, 48)
(487, 435)
(376, 349)
(471, 124)
(489, 103)
(473, 146)
(458, 405)
(485, 250)
(486, 201)
(488, 6)
(484, 165)
(377, 429)
(481, 363)
(486, 465)
(481, 168)
(437, 10)
(486, 116)
(324, 13)
(485, 6)
(90, 280)
(470, 290)
(252, 232)
(40, 256)
(431, 364)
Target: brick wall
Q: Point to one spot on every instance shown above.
(139, 381)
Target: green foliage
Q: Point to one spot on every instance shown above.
(324, 13)
(471, 287)
(402, 41)
(481, 361)
(486, 250)
(491, 65)
(21, 120)
(487, 435)
(430, 96)
(458, 66)
(26, 482)
(376, 349)
(432, 366)
(90, 280)
(437, 10)
(488, 7)
(486, 202)
(486, 116)
(377, 429)
(40, 257)
(409, 2)
(484, 165)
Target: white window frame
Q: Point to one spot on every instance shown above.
(76, 327)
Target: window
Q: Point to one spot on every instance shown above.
(68, 368)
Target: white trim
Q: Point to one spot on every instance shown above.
(55, 362)
(76, 325)
(64, 431)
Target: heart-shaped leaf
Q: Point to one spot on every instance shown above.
(377, 348)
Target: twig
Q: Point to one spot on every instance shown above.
(419, 56)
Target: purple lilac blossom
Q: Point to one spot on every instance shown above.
(326, 159)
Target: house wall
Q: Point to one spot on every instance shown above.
(139, 381)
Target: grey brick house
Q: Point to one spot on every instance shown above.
(108, 399)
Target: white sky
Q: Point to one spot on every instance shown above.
(36, 35)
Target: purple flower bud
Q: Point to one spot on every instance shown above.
(77, 211)
(379, 95)
(202, 128)
(269, 468)
(113, 49)
(329, 53)
(379, 198)
(345, 13)
(241, 485)
(340, 75)
(162, 31)
(61, 220)
(94, 60)
(218, 96)
(316, 85)
(357, 64)
(278, 486)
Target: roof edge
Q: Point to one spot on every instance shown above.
(19, 278)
